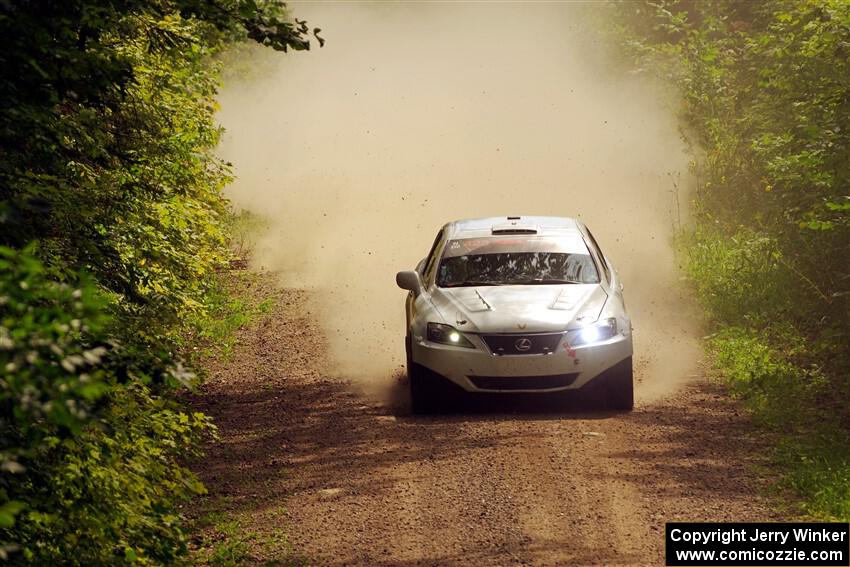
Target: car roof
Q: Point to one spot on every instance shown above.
(490, 226)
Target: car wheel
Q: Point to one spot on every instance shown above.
(429, 392)
(424, 394)
(620, 386)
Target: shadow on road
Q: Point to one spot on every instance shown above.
(289, 433)
(328, 431)
(464, 405)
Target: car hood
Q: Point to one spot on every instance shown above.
(520, 308)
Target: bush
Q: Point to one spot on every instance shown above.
(89, 454)
(811, 445)
(764, 94)
(111, 225)
(739, 278)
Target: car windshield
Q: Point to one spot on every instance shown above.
(516, 260)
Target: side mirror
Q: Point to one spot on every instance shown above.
(410, 281)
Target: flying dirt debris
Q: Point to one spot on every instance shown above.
(352, 154)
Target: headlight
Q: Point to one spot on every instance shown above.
(598, 332)
(447, 335)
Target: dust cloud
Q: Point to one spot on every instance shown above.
(415, 114)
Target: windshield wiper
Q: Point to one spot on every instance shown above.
(548, 281)
(536, 281)
(470, 283)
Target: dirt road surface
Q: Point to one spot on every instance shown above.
(354, 481)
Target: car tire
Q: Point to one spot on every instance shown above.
(422, 397)
(620, 390)
(424, 393)
(429, 392)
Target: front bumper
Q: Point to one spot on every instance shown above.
(478, 370)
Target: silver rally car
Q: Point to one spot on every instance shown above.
(520, 305)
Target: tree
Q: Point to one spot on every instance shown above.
(111, 223)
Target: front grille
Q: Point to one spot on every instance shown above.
(523, 382)
(523, 344)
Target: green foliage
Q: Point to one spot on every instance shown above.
(818, 468)
(213, 332)
(766, 96)
(52, 353)
(765, 90)
(88, 464)
(234, 549)
(113, 493)
(224, 539)
(778, 390)
(53, 370)
(812, 445)
(112, 224)
(739, 277)
(243, 228)
(107, 129)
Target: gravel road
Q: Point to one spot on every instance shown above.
(353, 481)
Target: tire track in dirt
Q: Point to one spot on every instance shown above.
(353, 482)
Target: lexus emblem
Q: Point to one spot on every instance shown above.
(523, 344)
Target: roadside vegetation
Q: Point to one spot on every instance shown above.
(222, 539)
(112, 228)
(210, 336)
(765, 105)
